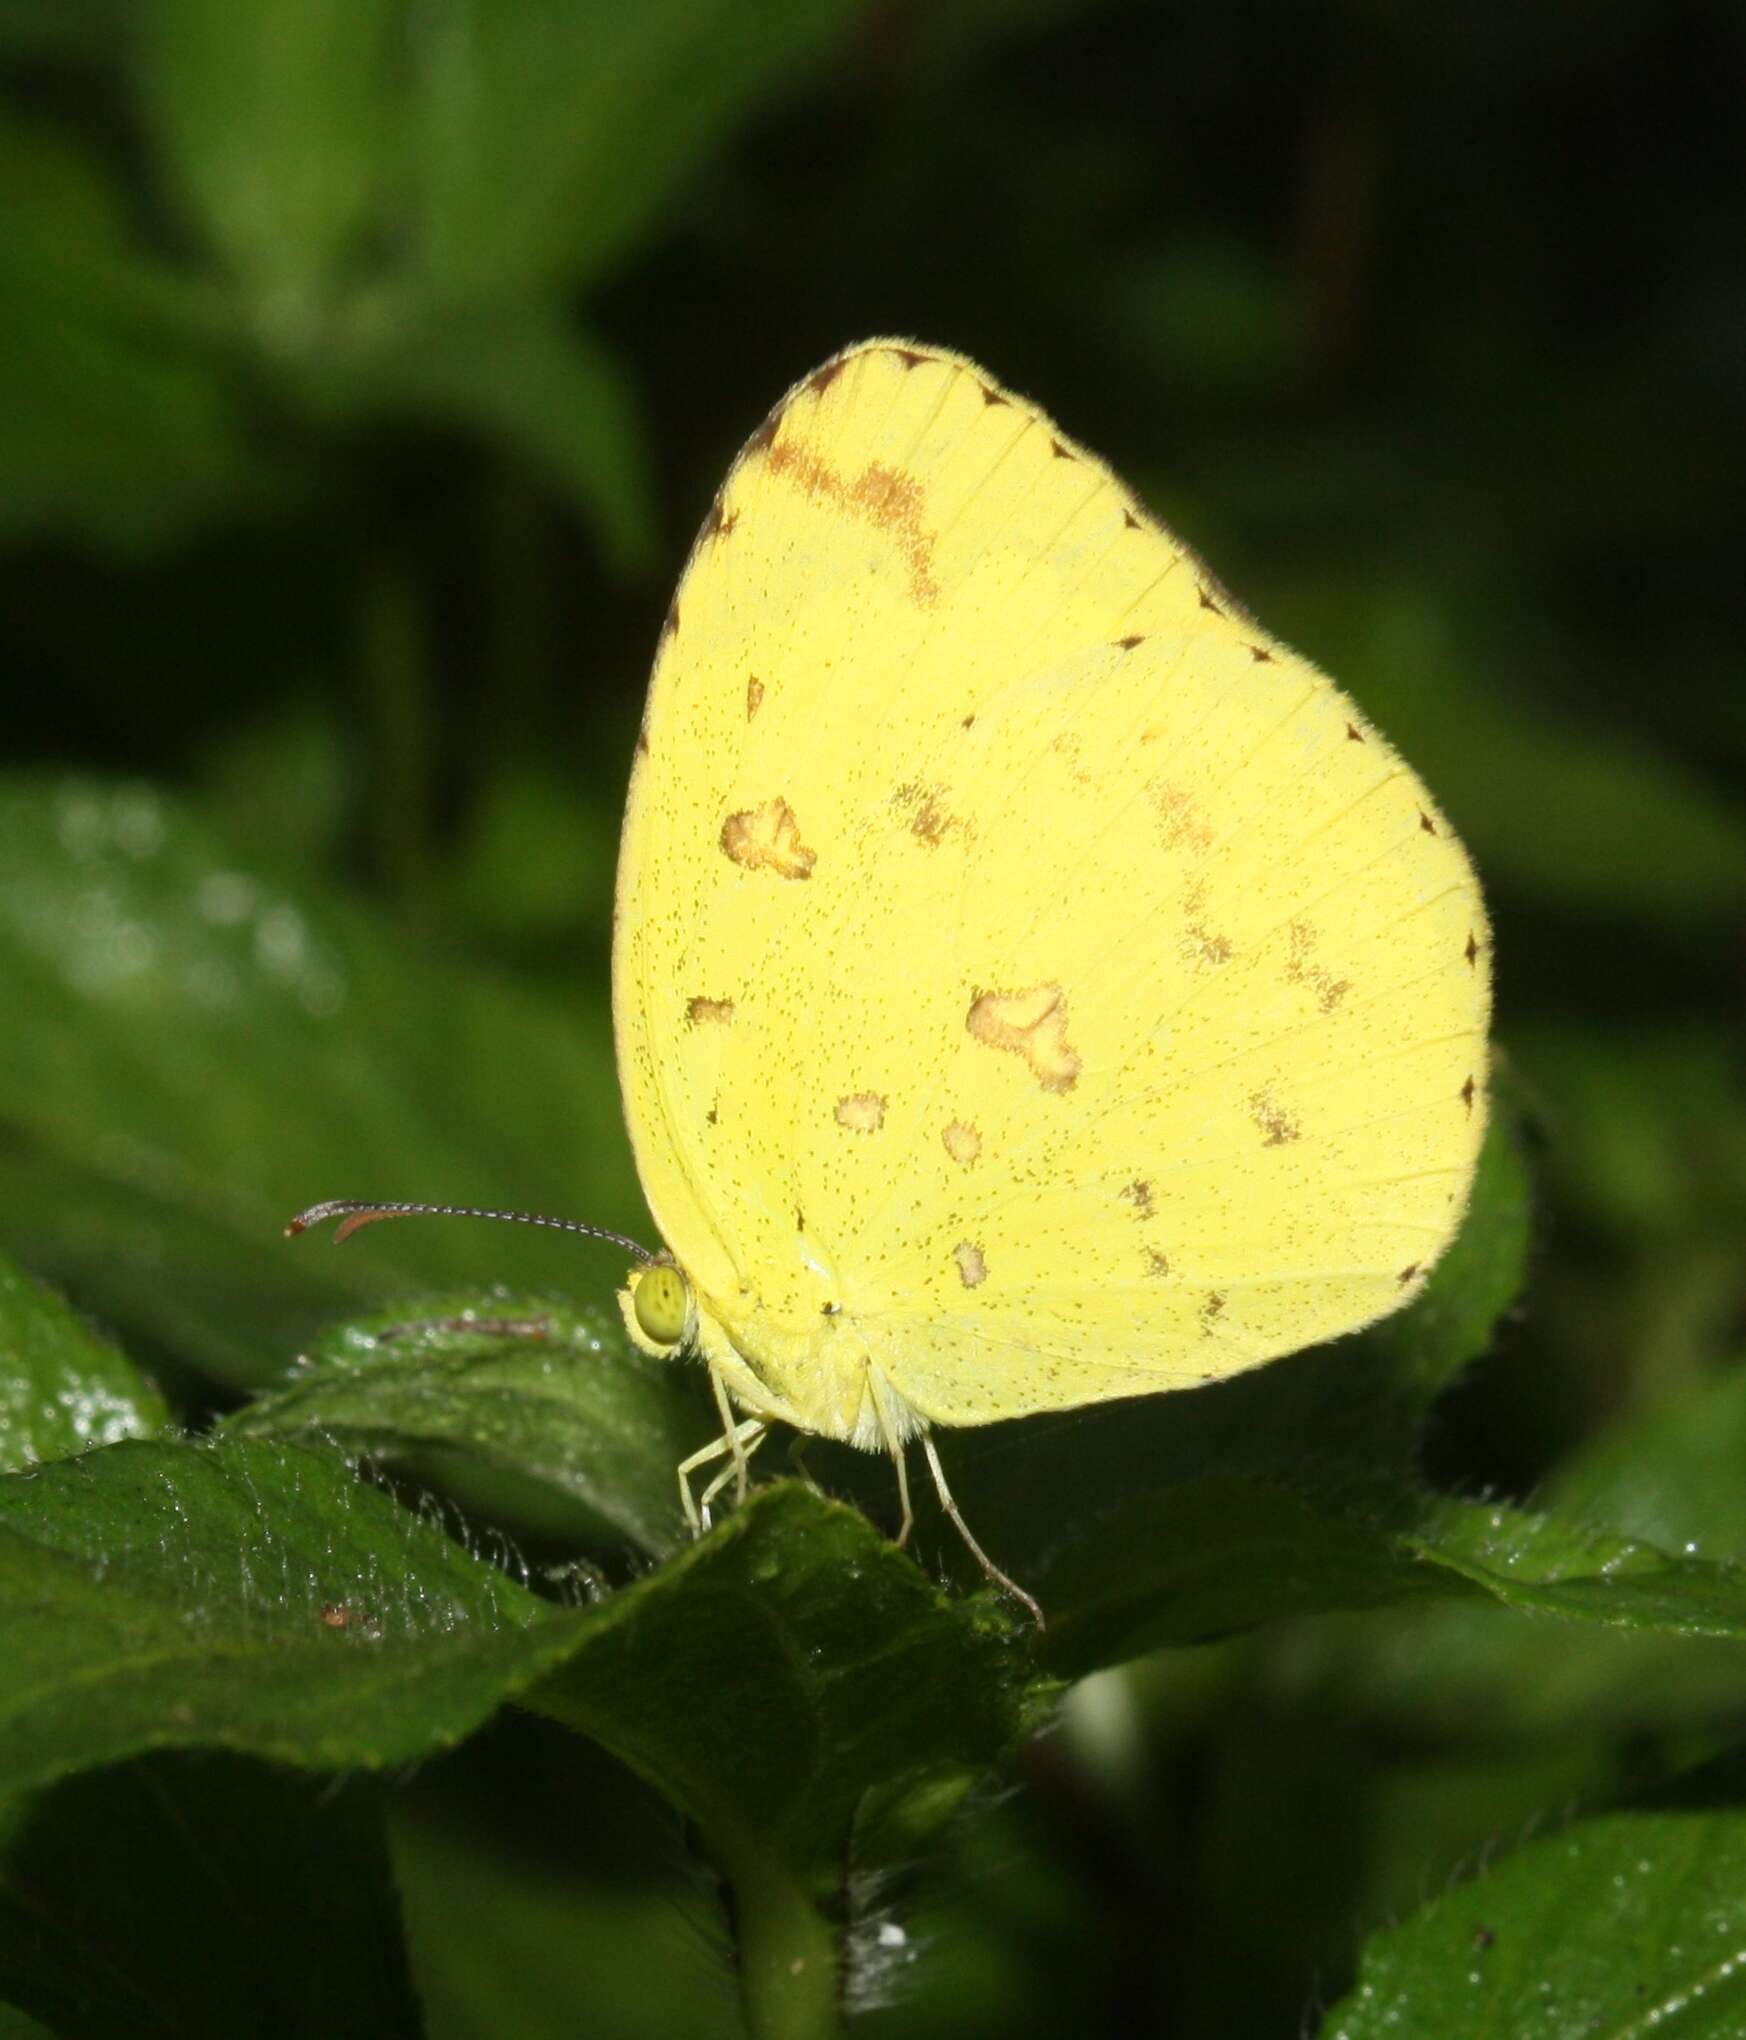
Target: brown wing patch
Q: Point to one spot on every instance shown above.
(1185, 821)
(1212, 1310)
(1068, 747)
(972, 1268)
(891, 501)
(754, 695)
(1127, 644)
(1277, 1126)
(923, 806)
(863, 1113)
(963, 1142)
(1301, 968)
(1157, 1264)
(1031, 1024)
(1198, 944)
(768, 839)
(709, 1012)
(1139, 1195)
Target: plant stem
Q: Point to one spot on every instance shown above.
(787, 1947)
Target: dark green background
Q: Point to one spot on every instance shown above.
(364, 369)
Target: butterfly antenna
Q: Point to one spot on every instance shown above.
(353, 1212)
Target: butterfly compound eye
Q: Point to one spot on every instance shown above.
(662, 1302)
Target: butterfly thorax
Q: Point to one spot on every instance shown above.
(816, 1372)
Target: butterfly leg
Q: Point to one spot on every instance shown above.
(981, 1557)
(894, 1445)
(797, 1444)
(734, 1434)
(732, 1441)
(752, 1435)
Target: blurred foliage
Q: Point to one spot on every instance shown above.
(366, 365)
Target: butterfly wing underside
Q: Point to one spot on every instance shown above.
(1019, 954)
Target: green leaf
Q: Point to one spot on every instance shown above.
(16, 2025)
(115, 424)
(1208, 1557)
(182, 1896)
(248, 1597)
(1671, 1476)
(1451, 1321)
(1623, 1925)
(548, 135)
(530, 379)
(1554, 1567)
(834, 1667)
(778, 1681)
(620, 1936)
(276, 125)
(198, 1046)
(62, 1388)
(595, 1430)
(64, 29)
(1633, 833)
(509, 870)
(1648, 1129)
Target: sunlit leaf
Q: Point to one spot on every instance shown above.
(62, 1388)
(1621, 1925)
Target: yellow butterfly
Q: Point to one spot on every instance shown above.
(1033, 984)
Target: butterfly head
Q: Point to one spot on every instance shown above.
(660, 1311)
